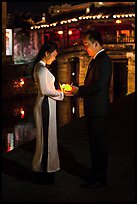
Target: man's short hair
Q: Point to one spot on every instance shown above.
(94, 35)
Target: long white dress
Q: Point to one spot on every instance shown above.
(46, 156)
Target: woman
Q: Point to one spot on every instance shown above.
(46, 160)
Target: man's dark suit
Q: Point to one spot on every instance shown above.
(96, 105)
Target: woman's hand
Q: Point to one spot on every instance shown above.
(68, 93)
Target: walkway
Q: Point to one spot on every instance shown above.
(74, 157)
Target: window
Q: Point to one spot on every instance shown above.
(8, 42)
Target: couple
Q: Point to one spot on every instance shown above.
(95, 92)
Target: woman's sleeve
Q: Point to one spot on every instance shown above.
(47, 85)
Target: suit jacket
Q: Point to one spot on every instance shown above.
(96, 86)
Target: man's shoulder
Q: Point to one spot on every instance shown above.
(103, 55)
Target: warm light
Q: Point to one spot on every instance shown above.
(70, 32)
(88, 10)
(65, 87)
(7, 34)
(43, 18)
(74, 19)
(118, 21)
(73, 110)
(60, 32)
(22, 113)
(21, 82)
(99, 16)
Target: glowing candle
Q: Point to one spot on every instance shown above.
(66, 87)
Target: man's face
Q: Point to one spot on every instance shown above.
(89, 46)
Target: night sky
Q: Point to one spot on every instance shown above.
(37, 8)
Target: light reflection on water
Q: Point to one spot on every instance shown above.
(18, 120)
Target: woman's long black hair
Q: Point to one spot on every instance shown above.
(46, 47)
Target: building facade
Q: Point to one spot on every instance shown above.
(4, 20)
(115, 22)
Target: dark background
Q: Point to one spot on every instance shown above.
(36, 7)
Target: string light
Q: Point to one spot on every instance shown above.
(83, 18)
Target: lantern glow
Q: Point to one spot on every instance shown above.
(66, 87)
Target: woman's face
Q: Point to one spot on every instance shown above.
(50, 57)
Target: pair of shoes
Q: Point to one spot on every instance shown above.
(93, 185)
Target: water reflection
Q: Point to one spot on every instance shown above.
(18, 123)
(10, 141)
(22, 133)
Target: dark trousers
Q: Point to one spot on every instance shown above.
(98, 147)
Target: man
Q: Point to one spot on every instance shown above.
(95, 92)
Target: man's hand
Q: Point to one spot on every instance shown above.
(74, 90)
